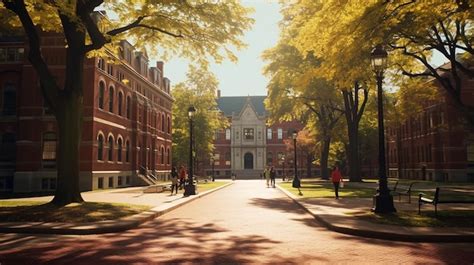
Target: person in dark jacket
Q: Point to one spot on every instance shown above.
(174, 180)
(272, 177)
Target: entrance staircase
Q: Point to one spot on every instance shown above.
(147, 176)
(248, 174)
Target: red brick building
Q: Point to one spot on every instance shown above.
(127, 119)
(436, 143)
(250, 145)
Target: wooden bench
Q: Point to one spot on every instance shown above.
(403, 190)
(446, 195)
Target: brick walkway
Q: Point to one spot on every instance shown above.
(243, 223)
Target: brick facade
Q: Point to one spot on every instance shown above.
(436, 143)
(127, 119)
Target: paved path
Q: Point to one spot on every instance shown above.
(243, 223)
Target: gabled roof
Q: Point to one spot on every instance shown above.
(230, 105)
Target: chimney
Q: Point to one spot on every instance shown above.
(159, 65)
(218, 93)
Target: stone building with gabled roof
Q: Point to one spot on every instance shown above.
(250, 144)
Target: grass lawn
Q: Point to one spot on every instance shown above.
(34, 211)
(445, 218)
(203, 186)
(317, 189)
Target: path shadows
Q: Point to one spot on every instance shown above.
(171, 241)
(280, 204)
(445, 253)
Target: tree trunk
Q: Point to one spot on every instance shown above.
(353, 154)
(325, 157)
(69, 118)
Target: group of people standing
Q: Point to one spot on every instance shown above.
(178, 178)
(270, 175)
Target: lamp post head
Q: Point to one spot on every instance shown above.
(191, 111)
(295, 134)
(378, 58)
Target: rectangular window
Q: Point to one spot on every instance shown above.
(111, 182)
(227, 134)
(127, 180)
(280, 133)
(269, 134)
(248, 133)
(100, 184)
(49, 150)
(120, 181)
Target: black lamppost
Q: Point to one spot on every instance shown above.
(294, 135)
(190, 188)
(383, 199)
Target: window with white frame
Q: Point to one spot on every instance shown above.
(269, 134)
(280, 133)
(227, 134)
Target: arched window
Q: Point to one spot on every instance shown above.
(111, 99)
(163, 122)
(9, 99)
(168, 156)
(49, 146)
(120, 99)
(100, 147)
(168, 121)
(128, 108)
(127, 151)
(119, 150)
(101, 94)
(111, 148)
(162, 158)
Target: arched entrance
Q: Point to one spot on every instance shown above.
(248, 161)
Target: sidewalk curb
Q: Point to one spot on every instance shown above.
(447, 238)
(102, 227)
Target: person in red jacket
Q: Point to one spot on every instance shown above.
(336, 178)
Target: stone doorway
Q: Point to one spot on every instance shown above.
(248, 161)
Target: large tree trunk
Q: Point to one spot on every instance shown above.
(353, 154)
(69, 118)
(325, 157)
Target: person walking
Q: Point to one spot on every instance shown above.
(182, 177)
(272, 177)
(266, 173)
(174, 180)
(336, 179)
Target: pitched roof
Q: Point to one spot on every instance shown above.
(230, 105)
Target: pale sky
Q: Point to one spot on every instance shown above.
(244, 77)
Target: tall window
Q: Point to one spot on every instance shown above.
(101, 95)
(128, 108)
(8, 147)
(120, 99)
(49, 146)
(269, 158)
(9, 99)
(280, 133)
(168, 156)
(101, 64)
(119, 150)
(100, 147)
(127, 151)
(269, 134)
(168, 121)
(248, 133)
(163, 122)
(162, 159)
(111, 148)
(227, 134)
(111, 99)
